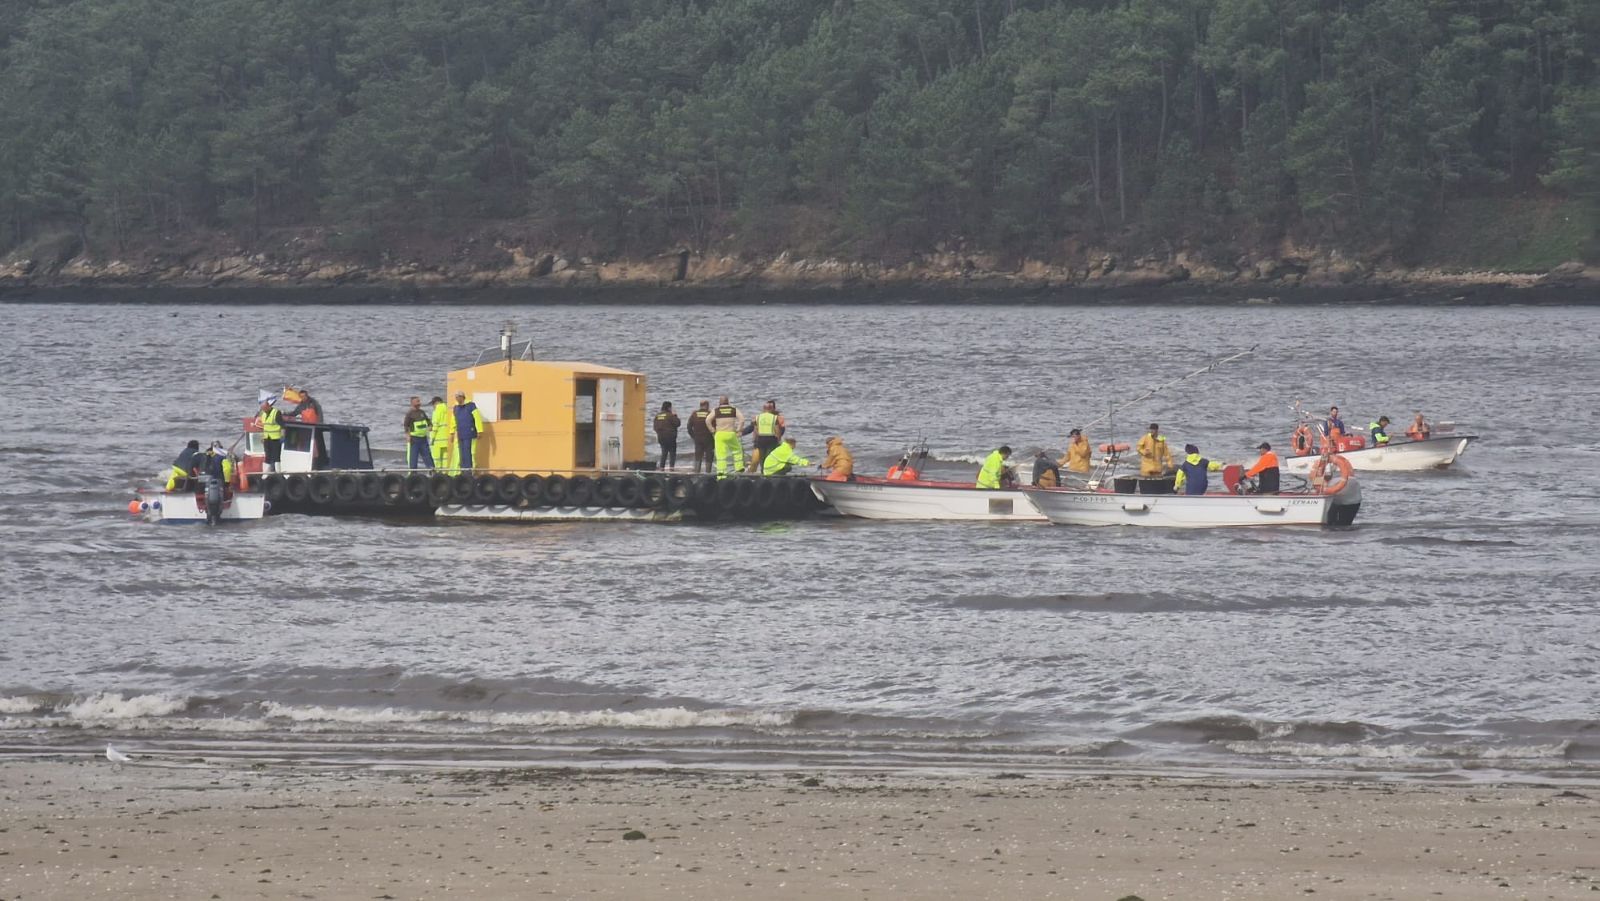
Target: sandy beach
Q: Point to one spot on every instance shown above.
(163, 829)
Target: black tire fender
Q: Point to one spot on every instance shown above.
(604, 492)
(272, 487)
(508, 489)
(630, 493)
(485, 489)
(321, 490)
(392, 487)
(460, 488)
(531, 489)
(440, 487)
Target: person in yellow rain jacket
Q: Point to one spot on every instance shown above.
(443, 437)
(993, 475)
(841, 466)
(1155, 458)
(1076, 459)
(781, 459)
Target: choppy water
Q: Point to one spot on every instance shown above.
(1454, 629)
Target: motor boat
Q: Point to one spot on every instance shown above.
(1396, 456)
(189, 505)
(904, 499)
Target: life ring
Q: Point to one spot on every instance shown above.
(1302, 440)
(1115, 448)
(1320, 474)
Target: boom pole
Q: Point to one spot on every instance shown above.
(1152, 392)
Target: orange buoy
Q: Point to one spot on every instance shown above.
(1115, 448)
(135, 507)
(1320, 474)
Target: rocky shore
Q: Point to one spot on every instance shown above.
(474, 265)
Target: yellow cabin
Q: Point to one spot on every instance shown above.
(542, 416)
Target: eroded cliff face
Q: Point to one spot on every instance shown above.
(509, 265)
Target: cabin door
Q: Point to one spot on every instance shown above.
(609, 433)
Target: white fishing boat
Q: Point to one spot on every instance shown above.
(1396, 456)
(190, 506)
(874, 498)
(1070, 507)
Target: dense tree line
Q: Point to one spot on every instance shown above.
(865, 125)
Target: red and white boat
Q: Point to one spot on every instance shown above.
(189, 506)
(877, 498)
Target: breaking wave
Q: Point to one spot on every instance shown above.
(650, 718)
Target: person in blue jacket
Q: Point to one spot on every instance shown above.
(1191, 477)
(469, 424)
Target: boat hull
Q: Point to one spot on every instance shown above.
(945, 501)
(505, 513)
(184, 507)
(1400, 456)
(1104, 508)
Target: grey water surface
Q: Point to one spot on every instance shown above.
(1453, 631)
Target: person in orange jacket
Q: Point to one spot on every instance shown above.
(1264, 470)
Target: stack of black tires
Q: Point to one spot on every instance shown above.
(752, 497)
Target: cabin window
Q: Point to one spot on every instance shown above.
(510, 405)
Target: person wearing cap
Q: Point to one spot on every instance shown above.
(841, 466)
(1264, 470)
(469, 425)
(1155, 458)
(1046, 472)
(183, 467)
(700, 433)
(781, 459)
(666, 424)
(270, 422)
(418, 427)
(1076, 459)
(1380, 431)
(1191, 476)
(442, 437)
(994, 473)
(725, 423)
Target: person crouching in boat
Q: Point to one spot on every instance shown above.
(1155, 458)
(1380, 431)
(1191, 478)
(782, 459)
(183, 466)
(1264, 470)
(840, 465)
(1046, 472)
(1419, 430)
(995, 474)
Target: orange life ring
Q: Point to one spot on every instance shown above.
(1301, 442)
(1115, 448)
(1319, 474)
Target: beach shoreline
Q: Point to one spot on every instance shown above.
(82, 827)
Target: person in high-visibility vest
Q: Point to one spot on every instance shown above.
(782, 459)
(469, 425)
(419, 429)
(1380, 431)
(270, 421)
(993, 474)
(444, 437)
(725, 422)
(770, 427)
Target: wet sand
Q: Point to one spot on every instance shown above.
(161, 829)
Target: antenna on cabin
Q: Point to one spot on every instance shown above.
(506, 331)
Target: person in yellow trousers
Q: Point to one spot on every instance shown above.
(443, 438)
(994, 473)
(781, 459)
(1155, 458)
(726, 422)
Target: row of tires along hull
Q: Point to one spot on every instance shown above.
(423, 492)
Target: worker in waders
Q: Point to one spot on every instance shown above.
(418, 428)
(270, 422)
(444, 437)
(469, 425)
(725, 422)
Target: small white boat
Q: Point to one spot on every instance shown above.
(874, 498)
(1396, 456)
(1071, 507)
(189, 506)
